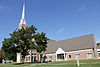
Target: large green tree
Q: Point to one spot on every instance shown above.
(41, 46)
(1, 55)
(21, 40)
(41, 42)
(9, 49)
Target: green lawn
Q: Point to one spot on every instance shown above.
(83, 63)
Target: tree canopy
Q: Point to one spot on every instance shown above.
(21, 40)
(98, 43)
(1, 55)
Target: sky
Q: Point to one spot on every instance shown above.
(59, 19)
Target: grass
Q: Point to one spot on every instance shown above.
(83, 63)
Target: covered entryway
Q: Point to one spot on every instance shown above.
(60, 55)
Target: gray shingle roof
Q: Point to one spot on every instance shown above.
(72, 44)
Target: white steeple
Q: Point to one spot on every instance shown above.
(23, 21)
(23, 12)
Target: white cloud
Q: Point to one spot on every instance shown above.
(60, 30)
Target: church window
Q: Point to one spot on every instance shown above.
(69, 56)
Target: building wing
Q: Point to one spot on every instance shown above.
(72, 44)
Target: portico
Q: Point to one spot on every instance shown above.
(60, 55)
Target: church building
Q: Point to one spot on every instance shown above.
(83, 47)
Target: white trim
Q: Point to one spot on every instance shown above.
(98, 49)
(60, 51)
(79, 50)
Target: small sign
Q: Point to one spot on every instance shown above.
(78, 63)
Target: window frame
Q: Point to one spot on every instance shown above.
(77, 56)
(89, 55)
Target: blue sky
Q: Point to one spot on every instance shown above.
(59, 19)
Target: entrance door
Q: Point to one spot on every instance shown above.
(60, 57)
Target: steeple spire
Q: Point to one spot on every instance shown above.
(23, 12)
(23, 21)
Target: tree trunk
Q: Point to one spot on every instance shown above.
(23, 59)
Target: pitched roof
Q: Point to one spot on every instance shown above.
(52, 46)
(72, 44)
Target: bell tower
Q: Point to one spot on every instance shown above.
(22, 24)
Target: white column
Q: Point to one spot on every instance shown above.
(56, 57)
(18, 57)
(33, 57)
(30, 56)
(64, 56)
